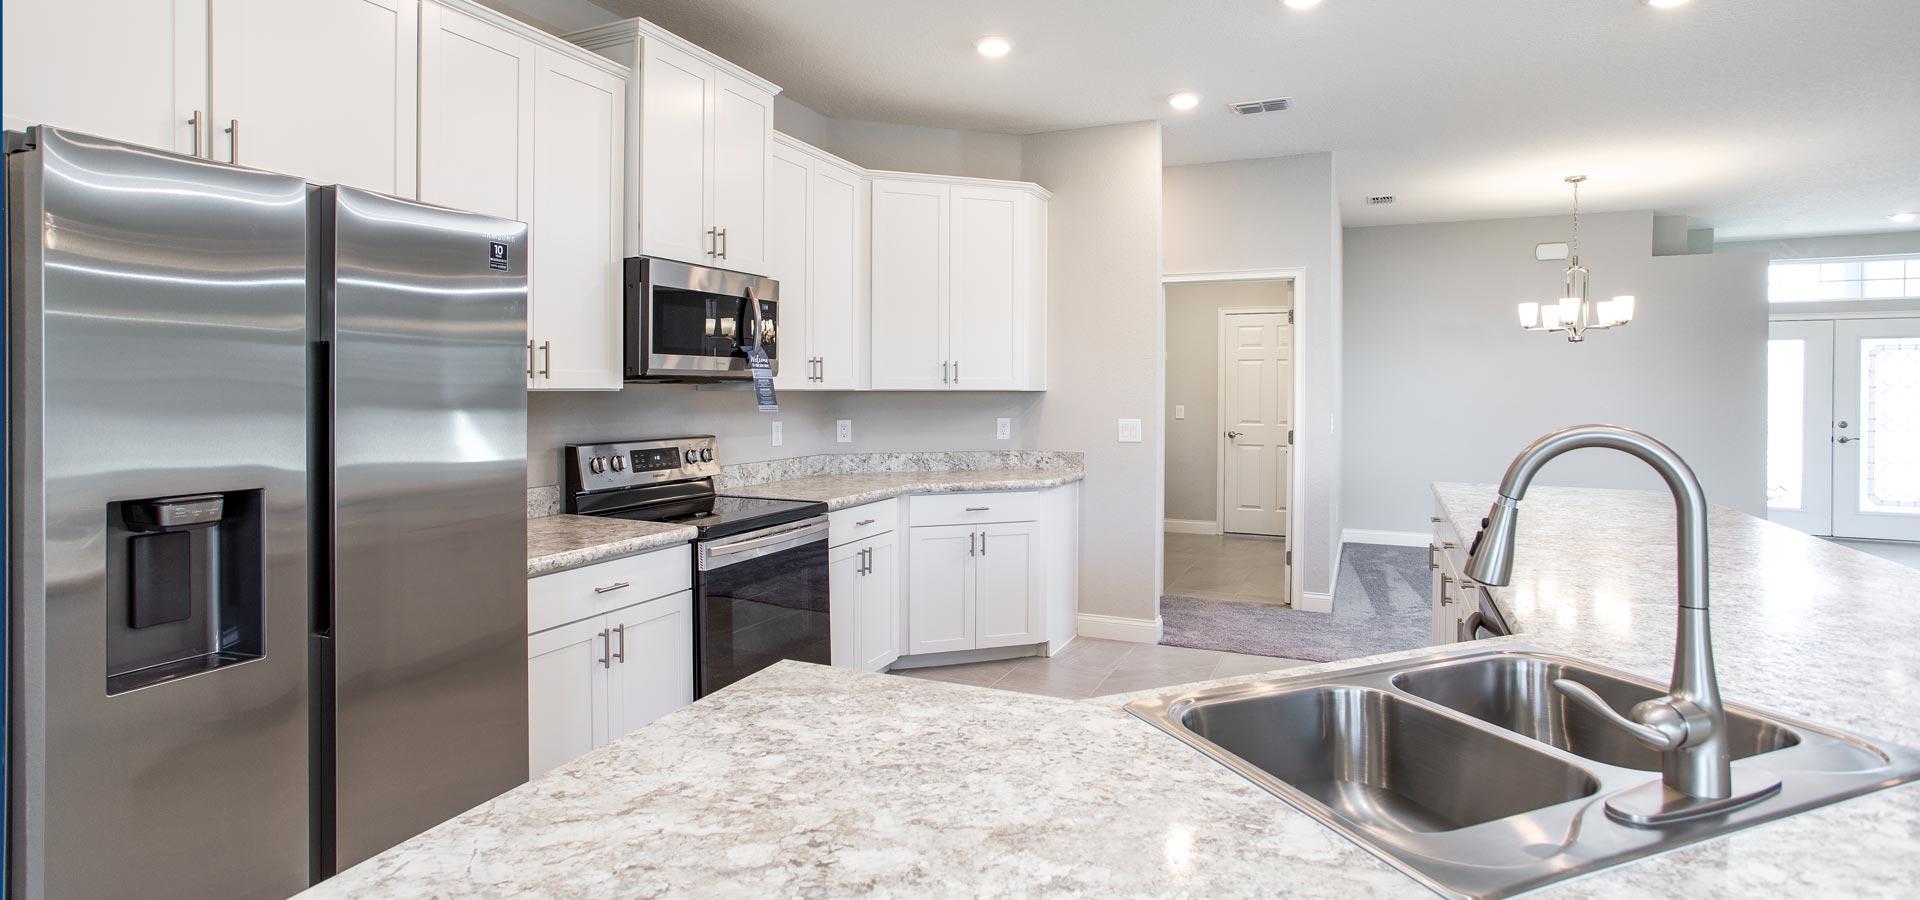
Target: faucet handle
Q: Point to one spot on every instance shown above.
(1655, 723)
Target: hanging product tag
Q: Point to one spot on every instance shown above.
(762, 370)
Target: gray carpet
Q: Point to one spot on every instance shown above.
(1379, 605)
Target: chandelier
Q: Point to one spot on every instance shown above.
(1573, 314)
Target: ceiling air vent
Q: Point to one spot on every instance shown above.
(1251, 107)
(1381, 200)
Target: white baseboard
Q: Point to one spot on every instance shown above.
(1315, 602)
(1394, 538)
(1120, 628)
(1191, 526)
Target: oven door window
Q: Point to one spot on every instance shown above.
(756, 612)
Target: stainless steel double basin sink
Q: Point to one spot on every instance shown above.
(1466, 770)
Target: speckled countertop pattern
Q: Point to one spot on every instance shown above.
(809, 781)
(842, 491)
(564, 542)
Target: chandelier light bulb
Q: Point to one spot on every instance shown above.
(1622, 309)
(1529, 315)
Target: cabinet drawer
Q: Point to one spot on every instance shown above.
(864, 521)
(966, 509)
(575, 594)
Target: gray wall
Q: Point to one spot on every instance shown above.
(1193, 380)
(1103, 267)
(904, 148)
(1442, 385)
(881, 421)
(1280, 213)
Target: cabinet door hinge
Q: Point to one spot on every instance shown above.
(1289, 437)
(1289, 317)
(1289, 557)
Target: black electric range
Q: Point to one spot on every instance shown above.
(760, 565)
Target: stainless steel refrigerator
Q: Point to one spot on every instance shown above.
(265, 606)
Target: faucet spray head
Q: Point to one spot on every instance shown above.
(1490, 559)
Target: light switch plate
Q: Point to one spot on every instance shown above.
(778, 433)
(843, 431)
(1003, 428)
(1129, 431)
(1179, 410)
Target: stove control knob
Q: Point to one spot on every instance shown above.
(597, 464)
(619, 463)
(692, 458)
(706, 456)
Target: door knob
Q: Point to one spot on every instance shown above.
(1846, 440)
(1235, 434)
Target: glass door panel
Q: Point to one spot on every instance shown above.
(1800, 425)
(1876, 430)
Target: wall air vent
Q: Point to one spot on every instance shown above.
(1251, 107)
(1381, 200)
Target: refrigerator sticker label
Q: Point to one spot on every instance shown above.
(497, 255)
(762, 370)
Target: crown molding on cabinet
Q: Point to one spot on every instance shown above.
(795, 144)
(1027, 186)
(614, 33)
(545, 39)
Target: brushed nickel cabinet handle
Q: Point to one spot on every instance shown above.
(621, 654)
(546, 359)
(713, 242)
(725, 244)
(1449, 545)
(529, 357)
(956, 371)
(863, 522)
(973, 538)
(233, 142)
(1432, 566)
(606, 650)
(983, 543)
(613, 587)
(944, 377)
(978, 508)
(196, 123)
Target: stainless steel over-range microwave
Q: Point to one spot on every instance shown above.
(694, 323)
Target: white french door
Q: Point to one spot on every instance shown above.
(1800, 425)
(1256, 394)
(1876, 456)
(1843, 431)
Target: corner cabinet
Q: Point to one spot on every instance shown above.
(518, 124)
(817, 250)
(959, 297)
(699, 144)
(977, 567)
(609, 649)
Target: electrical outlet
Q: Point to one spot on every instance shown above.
(1179, 410)
(778, 433)
(1003, 428)
(1129, 431)
(843, 431)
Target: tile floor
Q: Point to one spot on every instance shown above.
(1222, 567)
(1090, 667)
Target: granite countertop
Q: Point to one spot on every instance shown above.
(842, 491)
(564, 542)
(808, 781)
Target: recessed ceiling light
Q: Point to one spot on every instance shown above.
(993, 47)
(1302, 4)
(1904, 217)
(1665, 4)
(1184, 100)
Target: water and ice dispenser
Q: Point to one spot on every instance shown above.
(184, 586)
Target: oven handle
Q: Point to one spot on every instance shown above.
(720, 554)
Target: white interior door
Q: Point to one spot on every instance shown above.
(1800, 425)
(1256, 389)
(1876, 429)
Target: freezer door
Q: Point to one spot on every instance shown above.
(429, 434)
(158, 556)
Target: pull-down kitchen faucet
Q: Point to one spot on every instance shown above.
(1688, 726)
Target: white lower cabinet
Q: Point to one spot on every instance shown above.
(863, 578)
(618, 664)
(977, 567)
(941, 591)
(1009, 607)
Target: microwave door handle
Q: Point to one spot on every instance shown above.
(759, 325)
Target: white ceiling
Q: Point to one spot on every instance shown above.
(1760, 118)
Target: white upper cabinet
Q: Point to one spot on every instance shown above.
(699, 145)
(959, 284)
(575, 297)
(323, 89)
(519, 124)
(130, 70)
(816, 249)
